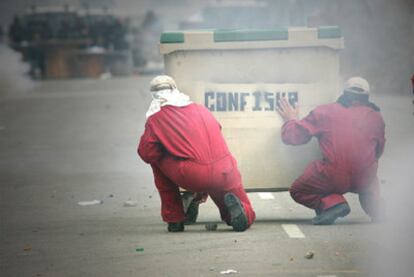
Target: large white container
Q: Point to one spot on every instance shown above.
(240, 75)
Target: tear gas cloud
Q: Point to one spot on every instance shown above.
(13, 73)
(379, 43)
(394, 253)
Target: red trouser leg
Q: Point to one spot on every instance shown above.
(218, 198)
(226, 178)
(248, 209)
(216, 179)
(171, 204)
(315, 190)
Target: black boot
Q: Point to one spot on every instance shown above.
(175, 226)
(191, 213)
(237, 214)
(329, 216)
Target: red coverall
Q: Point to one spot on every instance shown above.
(185, 148)
(351, 140)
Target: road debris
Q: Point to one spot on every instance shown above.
(27, 248)
(309, 255)
(211, 226)
(228, 271)
(90, 203)
(130, 203)
(139, 249)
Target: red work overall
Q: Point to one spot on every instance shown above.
(351, 140)
(185, 148)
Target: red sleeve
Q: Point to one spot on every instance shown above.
(295, 132)
(149, 148)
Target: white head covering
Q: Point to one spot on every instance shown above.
(162, 82)
(357, 85)
(164, 92)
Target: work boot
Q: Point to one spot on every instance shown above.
(329, 216)
(175, 226)
(192, 213)
(238, 218)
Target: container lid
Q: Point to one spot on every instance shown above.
(324, 36)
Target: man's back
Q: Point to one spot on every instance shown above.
(350, 138)
(189, 132)
(356, 134)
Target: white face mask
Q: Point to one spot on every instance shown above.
(164, 97)
(154, 94)
(162, 94)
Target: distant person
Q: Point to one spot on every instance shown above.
(351, 137)
(412, 83)
(185, 148)
(16, 32)
(1, 34)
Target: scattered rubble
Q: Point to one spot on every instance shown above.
(309, 255)
(228, 271)
(130, 203)
(90, 203)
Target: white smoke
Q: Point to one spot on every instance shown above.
(13, 73)
(394, 237)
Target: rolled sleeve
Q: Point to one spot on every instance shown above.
(296, 132)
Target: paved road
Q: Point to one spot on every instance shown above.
(72, 141)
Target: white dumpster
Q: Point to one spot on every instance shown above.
(240, 75)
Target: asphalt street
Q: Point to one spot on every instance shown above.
(67, 142)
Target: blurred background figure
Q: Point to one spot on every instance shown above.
(146, 52)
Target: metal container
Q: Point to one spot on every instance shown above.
(241, 74)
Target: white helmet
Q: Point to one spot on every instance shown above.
(162, 82)
(357, 85)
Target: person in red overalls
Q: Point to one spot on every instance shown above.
(184, 145)
(351, 137)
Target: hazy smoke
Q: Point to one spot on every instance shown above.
(379, 40)
(13, 72)
(394, 253)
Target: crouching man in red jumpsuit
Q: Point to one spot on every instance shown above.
(185, 148)
(350, 133)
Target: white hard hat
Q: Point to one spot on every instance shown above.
(357, 85)
(162, 82)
